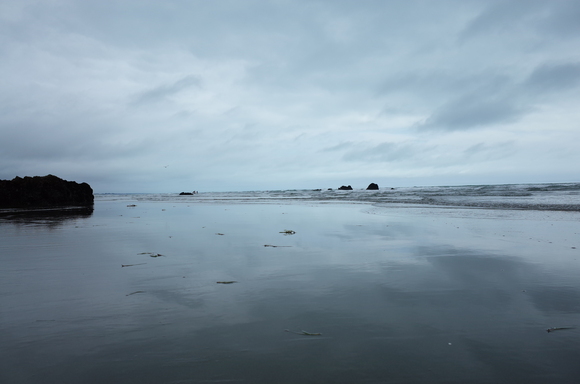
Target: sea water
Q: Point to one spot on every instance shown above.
(424, 285)
(551, 196)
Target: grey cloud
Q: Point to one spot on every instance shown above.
(554, 77)
(467, 113)
(409, 154)
(384, 152)
(500, 16)
(338, 147)
(561, 19)
(432, 85)
(423, 84)
(498, 99)
(167, 90)
(483, 151)
(535, 18)
(488, 99)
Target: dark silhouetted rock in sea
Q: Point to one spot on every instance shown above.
(373, 186)
(186, 193)
(44, 191)
(345, 188)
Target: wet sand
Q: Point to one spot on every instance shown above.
(398, 294)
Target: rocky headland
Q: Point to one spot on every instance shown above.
(44, 191)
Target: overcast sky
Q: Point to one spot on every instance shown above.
(170, 96)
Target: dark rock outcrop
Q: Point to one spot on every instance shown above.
(44, 191)
(186, 193)
(345, 188)
(373, 186)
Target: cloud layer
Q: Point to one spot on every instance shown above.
(151, 96)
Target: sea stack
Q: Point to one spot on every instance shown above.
(373, 186)
(345, 188)
(44, 191)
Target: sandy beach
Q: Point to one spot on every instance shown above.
(397, 294)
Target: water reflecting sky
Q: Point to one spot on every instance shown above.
(399, 295)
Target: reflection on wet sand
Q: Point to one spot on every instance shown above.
(386, 298)
(48, 216)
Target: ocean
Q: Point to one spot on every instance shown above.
(556, 197)
(404, 285)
